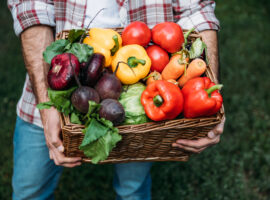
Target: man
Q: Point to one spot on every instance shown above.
(36, 137)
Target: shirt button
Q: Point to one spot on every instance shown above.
(79, 23)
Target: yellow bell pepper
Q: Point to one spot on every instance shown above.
(134, 63)
(104, 41)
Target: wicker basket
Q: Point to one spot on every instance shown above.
(144, 142)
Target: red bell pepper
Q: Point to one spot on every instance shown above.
(162, 100)
(201, 97)
(169, 36)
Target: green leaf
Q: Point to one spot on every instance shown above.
(68, 47)
(100, 138)
(99, 150)
(61, 99)
(81, 51)
(75, 118)
(105, 122)
(197, 48)
(94, 131)
(45, 105)
(139, 119)
(75, 35)
(93, 107)
(54, 49)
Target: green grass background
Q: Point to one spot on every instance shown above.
(237, 168)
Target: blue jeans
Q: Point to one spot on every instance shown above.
(35, 176)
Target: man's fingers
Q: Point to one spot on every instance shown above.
(219, 128)
(189, 149)
(200, 143)
(72, 165)
(61, 159)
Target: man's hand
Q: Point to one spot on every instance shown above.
(34, 42)
(51, 123)
(197, 146)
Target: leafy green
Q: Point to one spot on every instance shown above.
(45, 105)
(61, 99)
(75, 118)
(131, 101)
(71, 45)
(197, 48)
(139, 119)
(100, 138)
(94, 131)
(54, 49)
(75, 35)
(99, 149)
(81, 51)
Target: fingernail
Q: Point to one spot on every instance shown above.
(60, 148)
(179, 141)
(211, 134)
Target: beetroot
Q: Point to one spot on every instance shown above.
(81, 96)
(61, 73)
(109, 86)
(112, 110)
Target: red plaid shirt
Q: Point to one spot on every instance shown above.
(69, 14)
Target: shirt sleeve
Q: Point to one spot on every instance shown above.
(27, 13)
(198, 14)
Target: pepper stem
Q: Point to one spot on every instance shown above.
(133, 61)
(158, 101)
(213, 88)
(116, 46)
(117, 66)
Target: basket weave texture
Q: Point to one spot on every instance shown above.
(144, 142)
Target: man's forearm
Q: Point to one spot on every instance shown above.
(34, 41)
(211, 40)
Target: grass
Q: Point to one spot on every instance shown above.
(237, 168)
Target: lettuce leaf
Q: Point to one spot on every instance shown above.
(99, 140)
(99, 150)
(131, 101)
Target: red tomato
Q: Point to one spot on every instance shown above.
(169, 36)
(136, 33)
(159, 58)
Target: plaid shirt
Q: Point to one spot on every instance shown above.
(70, 14)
